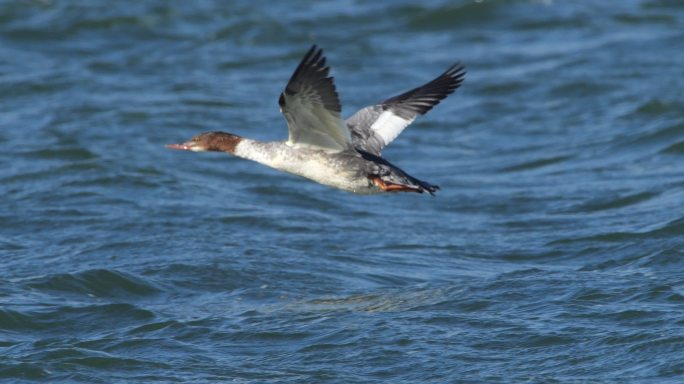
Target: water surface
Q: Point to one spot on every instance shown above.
(553, 253)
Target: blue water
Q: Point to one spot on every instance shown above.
(554, 251)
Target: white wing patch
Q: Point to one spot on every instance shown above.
(375, 126)
(388, 126)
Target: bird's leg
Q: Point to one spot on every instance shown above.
(391, 187)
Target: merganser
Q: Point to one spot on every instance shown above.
(324, 148)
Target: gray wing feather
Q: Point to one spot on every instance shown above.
(311, 106)
(374, 127)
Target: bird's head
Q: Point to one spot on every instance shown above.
(209, 141)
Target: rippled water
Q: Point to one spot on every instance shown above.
(553, 253)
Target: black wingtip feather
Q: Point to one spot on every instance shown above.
(419, 101)
(313, 69)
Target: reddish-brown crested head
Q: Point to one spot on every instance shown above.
(210, 141)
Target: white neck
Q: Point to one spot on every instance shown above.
(267, 153)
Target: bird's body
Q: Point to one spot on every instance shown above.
(340, 170)
(347, 170)
(322, 147)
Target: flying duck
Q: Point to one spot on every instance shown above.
(344, 154)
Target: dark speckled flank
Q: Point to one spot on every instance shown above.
(391, 178)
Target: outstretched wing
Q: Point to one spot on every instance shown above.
(374, 127)
(312, 108)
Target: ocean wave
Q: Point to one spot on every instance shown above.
(103, 283)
